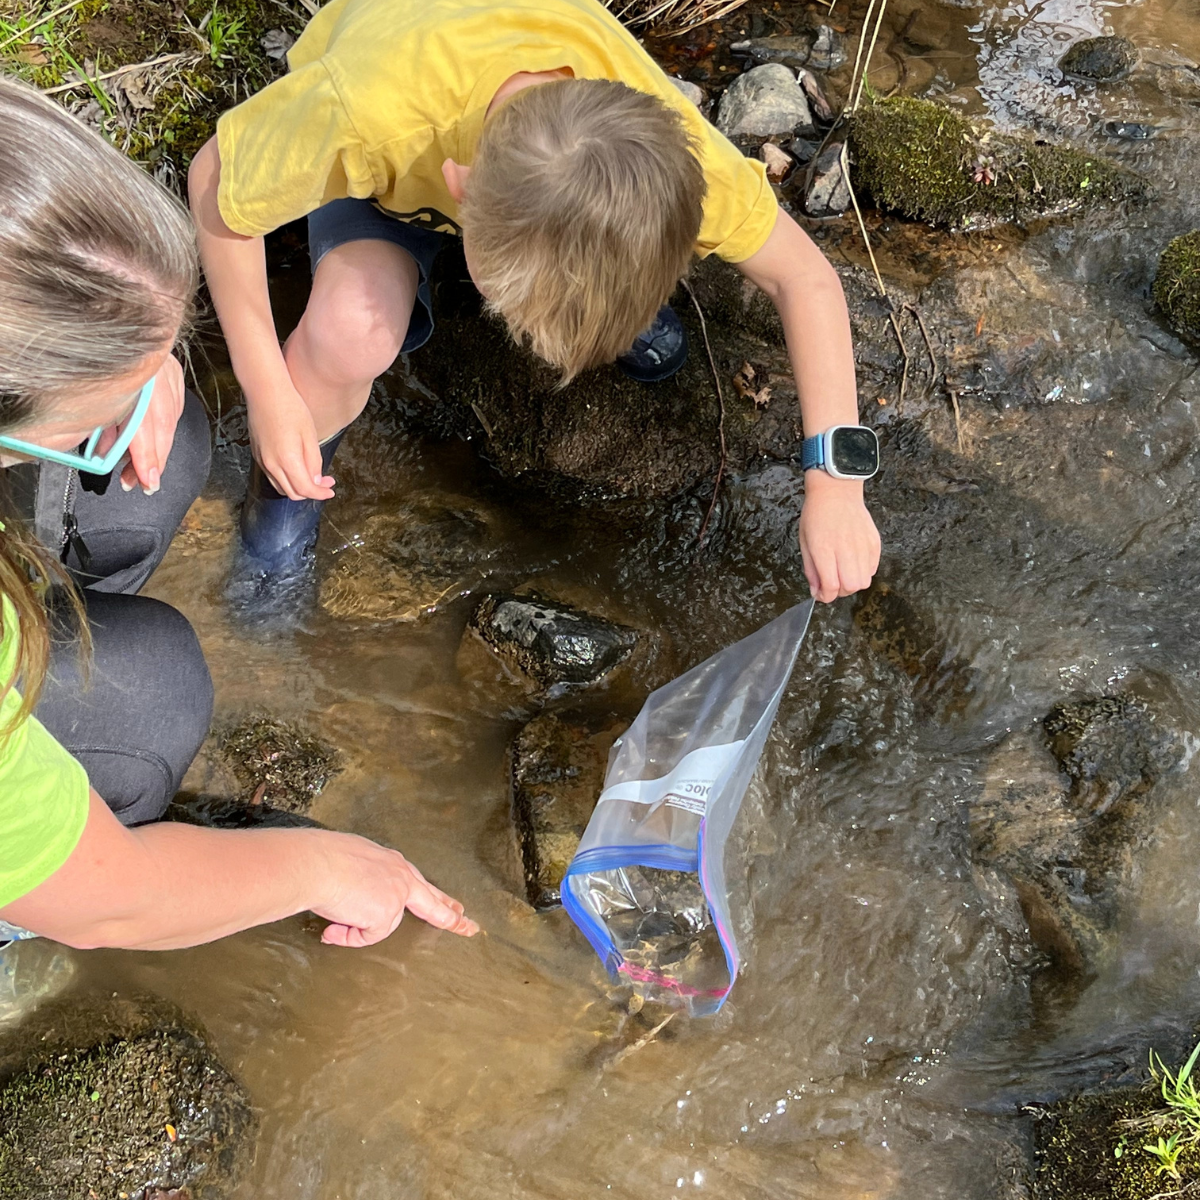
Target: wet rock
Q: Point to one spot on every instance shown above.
(764, 102)
(1076, 1139)
(693, 91)
(822, 50)
(556, 772)
(1129, 131)
(141, 1106)
(803, 150)
(1099, 59)
(551, 644)
(1069, 849)
(225, 812)
(933, 164)
(815, 94)
(279, 764)
(604, 435)
(1111, 748)
(405, 564)
(826, 189)
(778, 161)
(1177, 285)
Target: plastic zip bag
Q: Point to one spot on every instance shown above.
(647, 885)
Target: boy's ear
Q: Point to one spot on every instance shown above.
(455, 175)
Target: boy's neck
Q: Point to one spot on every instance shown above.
(522, 80)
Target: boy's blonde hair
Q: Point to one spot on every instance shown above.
(581, 215)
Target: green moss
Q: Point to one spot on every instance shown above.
(173, 107)
(931, 163)
(1076, 1142)
(1177, 285)
(280, 764)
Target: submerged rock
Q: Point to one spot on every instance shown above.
(1177, 285)
(1069, 849)
(142, 1108)
(821, 49)
(224, 812)
(404, 564)
(933, 164)
(765, 101)
(693, 91)
(556, 772)
(826, 188)
(548, 642)
(1111, 748)
(1100, 59)
(279, 764)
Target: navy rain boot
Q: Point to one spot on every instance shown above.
(279, 536)
(658, 352)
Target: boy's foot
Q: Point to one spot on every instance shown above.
(658, 352)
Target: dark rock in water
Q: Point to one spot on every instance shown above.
(1129, 131)
(1111, 748)
(763, 102)
(279, 764)
(1099, 59)
(551, 643)
(803, 150)
(933, 164)
(826, 189)
(223, 812)
(1177, 285)
(557, 772)
(140, 1107)
(404, 564)
(822, 50)
(1069, 851)
(1076, 1139)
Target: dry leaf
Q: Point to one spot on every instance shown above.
(778, 161)
(33, 54)
(172, 1133)
(749, 386)
(276, 42)
(979, 326)
(135, 92)
(881, 400)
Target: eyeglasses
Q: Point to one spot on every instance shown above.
(89, 462)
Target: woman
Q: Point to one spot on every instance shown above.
(97, 278)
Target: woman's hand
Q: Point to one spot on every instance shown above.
(152, 443)
(838, 538)
(284, 441)
(368, 889)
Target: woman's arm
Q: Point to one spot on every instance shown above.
(838, 539)
(163, 886)
(282, 432)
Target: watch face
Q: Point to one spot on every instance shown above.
(855, 451)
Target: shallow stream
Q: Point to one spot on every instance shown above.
(890, 1021)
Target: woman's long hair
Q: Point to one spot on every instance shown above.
(98, 272)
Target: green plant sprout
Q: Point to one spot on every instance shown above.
(223, 31)
(1179, 1092)
(1167, 1152)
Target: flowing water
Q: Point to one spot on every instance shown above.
(891, 1020)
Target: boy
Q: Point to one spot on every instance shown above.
(581, 182)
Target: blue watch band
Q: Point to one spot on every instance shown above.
(812, 452)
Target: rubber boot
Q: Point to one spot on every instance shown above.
(279, 536)
(658, 352)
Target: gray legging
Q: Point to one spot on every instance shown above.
(138, 723)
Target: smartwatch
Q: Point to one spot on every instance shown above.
(845, 452)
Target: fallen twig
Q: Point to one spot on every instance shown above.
(62, 8)
(958, 430)
(160, 61)
(644, 1040)
(861, 80)
(712, 366)
(933, 360)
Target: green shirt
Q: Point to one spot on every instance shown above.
(43, 790)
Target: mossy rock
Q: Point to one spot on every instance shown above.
(140, 1109)
(1100, 59)
(933, 164)
(1177, 285)
(1076, 1142)
(279, 764)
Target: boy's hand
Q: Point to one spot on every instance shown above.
(838, 538)
(366, 889)
(284, 441)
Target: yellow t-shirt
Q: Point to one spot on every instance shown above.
(43, 790)
(382, 92)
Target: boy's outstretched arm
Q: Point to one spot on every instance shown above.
(282, 431)
(838, 539)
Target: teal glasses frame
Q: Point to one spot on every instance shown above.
(89, 462)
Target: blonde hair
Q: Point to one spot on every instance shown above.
(581, 215)
(98, 271)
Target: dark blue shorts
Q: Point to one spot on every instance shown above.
(343, 221)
